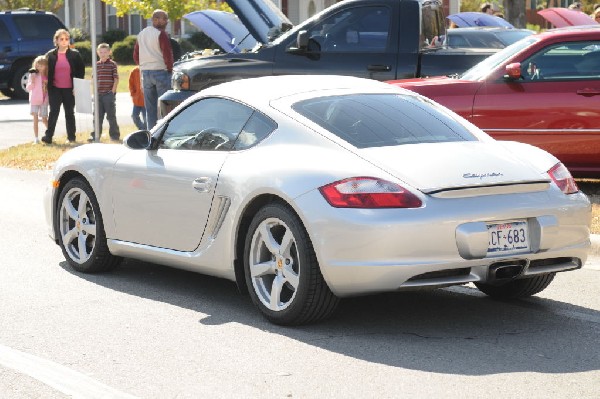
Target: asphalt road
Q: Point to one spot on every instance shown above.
(16, 124)
(148, 331)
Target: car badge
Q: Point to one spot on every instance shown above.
(481, 176)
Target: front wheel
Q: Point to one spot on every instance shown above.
(520, 288)
(281, 269)
(81, 231)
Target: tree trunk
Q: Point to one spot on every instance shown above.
(514, 12)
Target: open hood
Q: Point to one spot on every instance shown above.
(262, 18)
(224, 28)
(470, 18)
(563, 17)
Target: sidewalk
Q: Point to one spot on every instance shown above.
(16, 124)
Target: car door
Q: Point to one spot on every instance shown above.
(555, 106)
(355, 41)
(162, 197)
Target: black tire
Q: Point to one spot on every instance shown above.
(310, 300)
(520, 288)
(19, 82)
(79, 221)
(8, 92)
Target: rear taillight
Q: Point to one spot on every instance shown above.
(368, 192)
(563, 179)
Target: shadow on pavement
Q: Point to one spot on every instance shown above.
(441, 331)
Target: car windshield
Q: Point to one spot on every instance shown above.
(378, 120)
(485, 67)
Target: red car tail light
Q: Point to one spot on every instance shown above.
(563, 179)
(368, 192)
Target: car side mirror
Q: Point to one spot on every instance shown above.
(513, 71)
(302, 40)
(139, 140)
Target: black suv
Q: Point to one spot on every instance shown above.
(24, 34)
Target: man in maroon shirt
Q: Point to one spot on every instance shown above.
(154, 55)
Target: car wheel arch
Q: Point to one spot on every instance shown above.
(246, 216)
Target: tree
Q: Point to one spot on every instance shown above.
(175, 9)
(514, 12)
(47, 5)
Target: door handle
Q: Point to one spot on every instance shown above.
(379, 68)
(588, 92)
(202, 184)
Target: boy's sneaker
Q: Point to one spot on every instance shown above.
(36, 140)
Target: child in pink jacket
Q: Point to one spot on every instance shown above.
(37, 86)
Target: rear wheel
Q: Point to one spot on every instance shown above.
(520, 288)
(282, 272)
(81, 231)
(8, 92)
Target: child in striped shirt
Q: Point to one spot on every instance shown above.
(107, 80)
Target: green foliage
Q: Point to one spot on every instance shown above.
(79, 35)
(175, 9)
(113, 35)
(201, 41)
(533, 27)
(122, 52)
(85, 49)
(45, 5)
(131, 39)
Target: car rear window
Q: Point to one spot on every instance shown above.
(32, 26)
(378, 120)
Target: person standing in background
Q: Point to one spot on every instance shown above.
(107, 80)
(487, 8)
(37, 86)
(64, 64)
(154, 55)
(137, 97)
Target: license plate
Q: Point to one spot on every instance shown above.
(508, 238)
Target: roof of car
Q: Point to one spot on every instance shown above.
(25, 11)
(272, 87)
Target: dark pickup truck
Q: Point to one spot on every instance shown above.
(377, 39)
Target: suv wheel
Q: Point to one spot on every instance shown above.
(8, 92)
(19, 82)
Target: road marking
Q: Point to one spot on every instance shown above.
(61, 378)
(573, 314)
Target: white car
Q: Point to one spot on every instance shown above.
(307, 189)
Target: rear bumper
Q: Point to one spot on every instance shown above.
(371, 251)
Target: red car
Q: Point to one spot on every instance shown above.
(543, 90)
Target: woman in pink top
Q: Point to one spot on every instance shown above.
(37, 86)
(64, 64)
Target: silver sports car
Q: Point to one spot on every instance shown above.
(307, 189)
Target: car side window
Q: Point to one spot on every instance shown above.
(4, 34)
(210, 124)
(257, 128)
(359, 29)
(565, 61)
